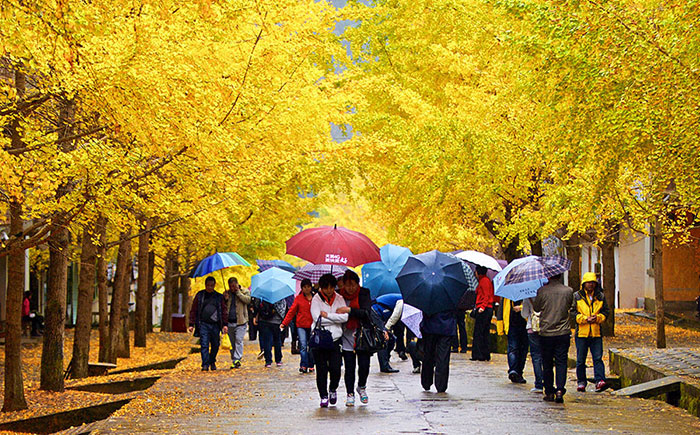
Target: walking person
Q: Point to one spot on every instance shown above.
(300, 314)
(328, 361)
(553, 302)
(533, 338)
(389, 308)
(207, 319)
(438, 331)
(237, 300)
(360, 313)
(484, 314)
(516, 330)
(591, 309)
(268, 319)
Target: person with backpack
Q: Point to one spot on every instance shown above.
(268, 319)
(208, 319)
(591, 309)
(328, 358)
(300, 314)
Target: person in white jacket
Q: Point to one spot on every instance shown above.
(328, 361)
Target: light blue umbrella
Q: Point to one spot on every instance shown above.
(218, 261)
(516, 291)
(380, 276)
(272, 285)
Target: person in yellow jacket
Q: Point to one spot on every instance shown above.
(590, 309)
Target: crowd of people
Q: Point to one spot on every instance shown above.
(338, 325)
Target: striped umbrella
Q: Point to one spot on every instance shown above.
(315, 271)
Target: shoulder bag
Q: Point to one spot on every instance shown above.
(320, 338)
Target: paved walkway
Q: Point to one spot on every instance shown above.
(479, 399)
(674, 361)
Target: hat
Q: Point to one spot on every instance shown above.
(589, 277)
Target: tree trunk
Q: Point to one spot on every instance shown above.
(573, 253)
(165, 323)
(511, 250)
(86, 291)
(143, 291)
(123, 348)
(118, 287)
(176, 288)
(151, 291)
(659, 285)
(536, 247)
(609, 273)
(185, 287)
(14, 388)
(59, 244)
(102, 293)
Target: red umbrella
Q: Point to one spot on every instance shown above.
(333, 245)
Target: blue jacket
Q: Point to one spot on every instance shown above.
(442, 323)
(385, 305)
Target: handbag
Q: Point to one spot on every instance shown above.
(320, 337)
(473, 313)
(369, 338)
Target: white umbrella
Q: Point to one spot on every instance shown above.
(411, 317)
(480, 259)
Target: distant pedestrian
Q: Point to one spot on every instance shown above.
(237, 300)
(207, 319)
(438, 331)
(533, 337)
(300, 314)
(553, 302)
(268, 319)
(484, 314)
(591, 309)
(328, 361)
(516, 330)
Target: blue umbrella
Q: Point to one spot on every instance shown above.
(218, 261)
(432, 282)
(380, 276)
(263, 265)
(272, 285)
(520, 290)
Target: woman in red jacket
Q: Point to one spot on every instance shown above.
(482, 322)
(301, 311)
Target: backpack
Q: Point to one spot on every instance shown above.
(266, 310)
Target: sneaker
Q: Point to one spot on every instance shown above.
(212, 367)
(581, 387)
(267, 366)
(536, 390)
(350, 400)
(261, 354)
(233, 366)
(324, 402)
(513, 377)
(237, 364)
(559, 398)
(310, 369)
(521, 380)
(363, 395)
(601, 386)
(302, 369)
(279, 364)
(548, 397)
(205, 368)
(416, 369)
(333, 397)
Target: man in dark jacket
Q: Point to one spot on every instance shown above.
(554, 301)
(208, 318)
(438, 331)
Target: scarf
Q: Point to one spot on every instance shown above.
(353, 302)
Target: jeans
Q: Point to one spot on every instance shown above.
(236, 333)
(436, 361)
(209, 335)
(328, 361)
(270, 336)
(595, 344)
(384, 354)
(536, 356)
(482, 329)
(307, 357)
(362, 358)
(460, 339)
(517, 348)
(555, 352)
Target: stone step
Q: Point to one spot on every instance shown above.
(668, 384)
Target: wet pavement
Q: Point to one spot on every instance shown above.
(479, 399)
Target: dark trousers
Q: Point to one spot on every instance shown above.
(252, 328)
(436, 361)
(482, 329)
(555, 352)
(384, 354)
(536, 356)
(460, 338)
(399, 329)
(415, 349)
(328, 361)
(595, 344)
(518, 345)
(209, 336)
(349, 359)
(270, 336)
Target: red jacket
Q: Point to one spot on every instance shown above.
(301, 308)
(484, 293)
